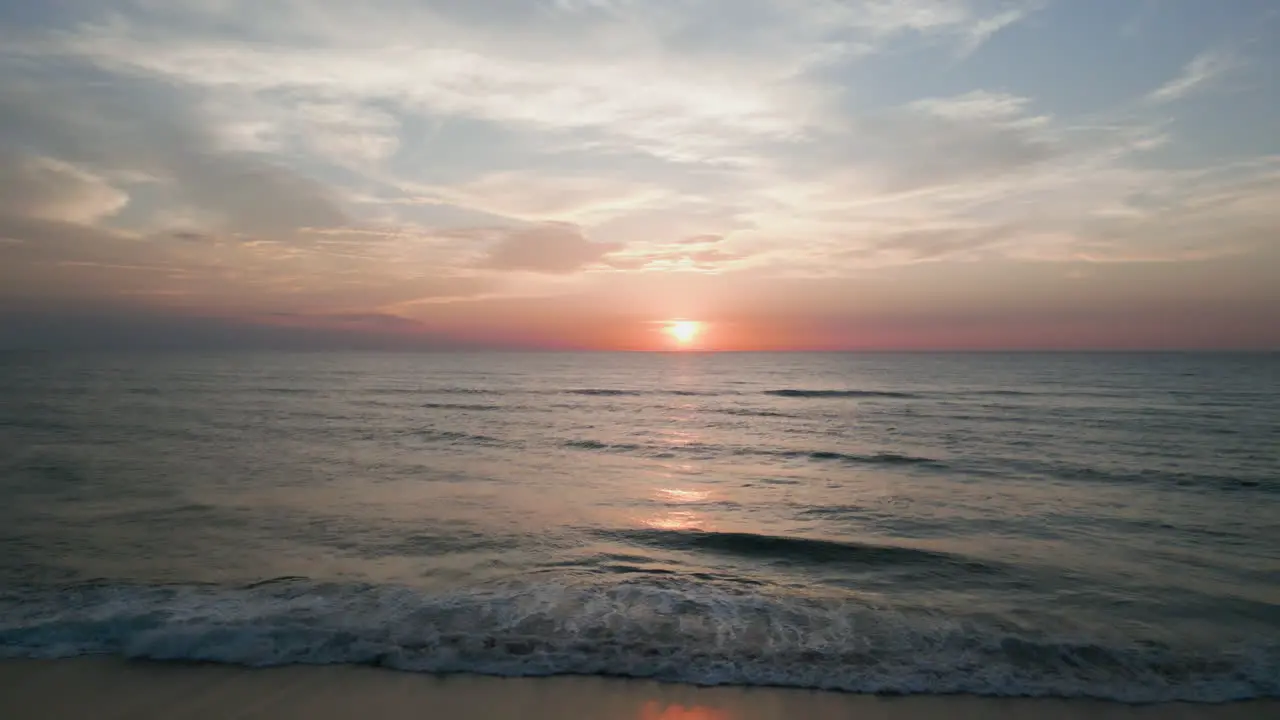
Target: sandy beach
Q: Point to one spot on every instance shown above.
(109, 688)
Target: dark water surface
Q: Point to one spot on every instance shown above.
(1068, 525)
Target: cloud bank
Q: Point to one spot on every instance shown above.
(409, 167)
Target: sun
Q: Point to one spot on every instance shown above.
(684, 331)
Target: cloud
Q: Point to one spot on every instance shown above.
(971, 23)
(1192, 217)
(694, 254)
(682, 80)
(685, 112)
(46, 188)
(977, 105)
(51, 240)
(536, 196)
(700, 240)
(123, 325)
(363, 322)
(983, 29)
(63, 261)
(254, 196)
(679, 84)
(348, 134)
(979, 177)
(1202, 70)
(553, 248)
(922, 162)
(931, 244)
(334, 160)
(968, 137)
(163, 148)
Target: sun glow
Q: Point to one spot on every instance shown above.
(684, 331)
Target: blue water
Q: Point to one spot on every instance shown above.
(1065, 525)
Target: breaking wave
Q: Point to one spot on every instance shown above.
(659, 627)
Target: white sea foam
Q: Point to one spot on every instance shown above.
(679, 631)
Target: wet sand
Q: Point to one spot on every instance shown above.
(108, 688)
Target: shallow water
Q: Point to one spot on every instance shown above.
(1030, 524)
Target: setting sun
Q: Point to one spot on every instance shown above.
(684, 331)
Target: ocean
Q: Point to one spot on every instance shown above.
(1067, 525)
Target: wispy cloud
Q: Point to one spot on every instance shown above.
(983, 29)
(1199, 73)
(533, 196)
(329, 158)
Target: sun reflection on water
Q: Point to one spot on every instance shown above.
(659, 711)
(675, 520)
(682, 496)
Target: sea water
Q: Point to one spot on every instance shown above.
(1101, 525)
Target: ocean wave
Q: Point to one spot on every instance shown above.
(753, 412)
(598, 445)
(881, 458)
(458, 390)
(694, 449)
(803, 550)
(654, 450)
(1168, 477)
(657, 627)
(799, 393)
(459, 438)
(477, 407)
(614, 392)
(269, 391)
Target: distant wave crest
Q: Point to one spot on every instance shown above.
(753, 412)
(799, 393)
(668, 629)
(454, 437)
(462, 391)
(614, 392)
(476, 407)
(881, 458)
(671, 450)
(805, 550)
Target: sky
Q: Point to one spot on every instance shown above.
(789, 174)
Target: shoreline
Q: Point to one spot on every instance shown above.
(102, 686)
